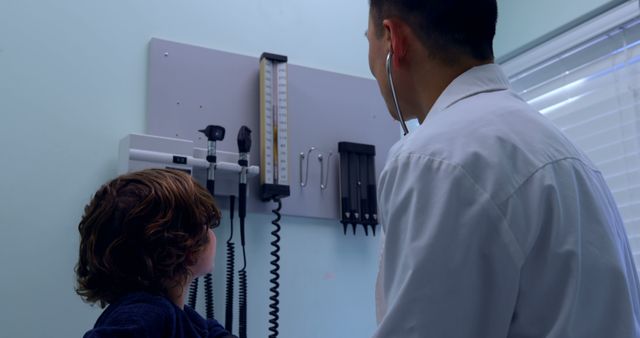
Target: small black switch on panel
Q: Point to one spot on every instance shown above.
(179, 160)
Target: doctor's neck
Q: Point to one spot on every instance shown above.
(431, 76)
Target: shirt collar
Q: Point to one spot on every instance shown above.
(480, 79)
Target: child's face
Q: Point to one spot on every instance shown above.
(204, 263)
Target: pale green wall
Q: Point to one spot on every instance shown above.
(523, 21)
(73, 82)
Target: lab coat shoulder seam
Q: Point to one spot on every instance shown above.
(542, 167)
(519, 252)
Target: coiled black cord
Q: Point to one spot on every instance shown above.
(242, 298)
(193, 293)
(275, 293)
(208, 295)
(231, 260)
(242, 275)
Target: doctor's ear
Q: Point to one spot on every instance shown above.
(397, 35)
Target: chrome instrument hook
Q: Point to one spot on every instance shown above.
(324, 177)
(305, 173)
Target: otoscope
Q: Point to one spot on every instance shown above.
(214, 134)
(244, 147)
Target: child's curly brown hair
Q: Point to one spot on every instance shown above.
(141, 232)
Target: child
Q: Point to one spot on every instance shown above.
(143, 238)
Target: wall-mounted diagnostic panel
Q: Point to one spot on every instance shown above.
(290, 109)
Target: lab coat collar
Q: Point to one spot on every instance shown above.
(480, 79)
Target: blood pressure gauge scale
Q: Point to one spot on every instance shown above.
(274, 168)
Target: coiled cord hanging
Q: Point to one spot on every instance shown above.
(193, 294)
(275, 262)
(242, 275)
(208, 295)
(242, 298)
(231, 260)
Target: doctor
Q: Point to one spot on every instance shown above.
(495, 224)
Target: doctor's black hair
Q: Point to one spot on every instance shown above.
(447, 27)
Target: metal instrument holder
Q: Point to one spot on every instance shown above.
(358, 202)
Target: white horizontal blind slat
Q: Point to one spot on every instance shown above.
(592, 93)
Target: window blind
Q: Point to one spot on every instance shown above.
(591, 91)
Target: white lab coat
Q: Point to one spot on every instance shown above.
(495, 225)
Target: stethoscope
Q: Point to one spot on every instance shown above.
(395, 96)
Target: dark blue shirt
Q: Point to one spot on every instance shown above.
(142, 315)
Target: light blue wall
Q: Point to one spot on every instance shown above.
(523, 21)
(73, 82)
(327, 283)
